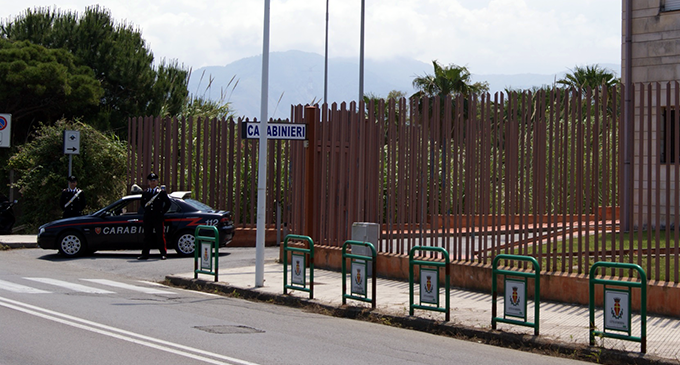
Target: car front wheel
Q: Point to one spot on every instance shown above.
(184, 244)
(72, 244)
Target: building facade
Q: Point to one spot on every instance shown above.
(650, 71)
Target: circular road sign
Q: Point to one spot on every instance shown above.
(3, 122)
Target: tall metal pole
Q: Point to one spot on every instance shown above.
(628, 129)
(325, 71)
(361, 55)
(262, 163)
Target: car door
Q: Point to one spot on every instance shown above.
(173, 221)
(121, 226)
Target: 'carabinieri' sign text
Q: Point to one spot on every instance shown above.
(275, 131)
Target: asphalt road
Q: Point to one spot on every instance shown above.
(125, 263)
(107, 309)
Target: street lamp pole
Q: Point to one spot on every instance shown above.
(325, 72)
(262, 164)
(361, 54)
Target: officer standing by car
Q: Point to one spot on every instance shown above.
(156, 203)
(72, 200)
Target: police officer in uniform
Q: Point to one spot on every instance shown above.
(72, 200)
(155, 202)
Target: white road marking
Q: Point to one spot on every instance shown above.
(71, 286)
(23, 289)
(128, 286)
(180, 289)
(114, 332)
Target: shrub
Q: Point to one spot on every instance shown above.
(41, 168)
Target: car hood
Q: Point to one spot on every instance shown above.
(80, 219)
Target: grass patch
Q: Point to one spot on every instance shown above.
(656, 252)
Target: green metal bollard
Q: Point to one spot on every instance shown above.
(302, 254)
(642, 284)
(447, 269)
(352, 256)
(211, 255)
(537, 291)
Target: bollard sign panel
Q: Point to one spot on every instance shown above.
(515, 299)
(275, 131)
(429, 290)
(297, 269)
(206, 256)
(359, 277)
(617, 310)
(5, 129)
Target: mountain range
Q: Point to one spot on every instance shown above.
(297, 77)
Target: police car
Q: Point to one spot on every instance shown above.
(119, 227)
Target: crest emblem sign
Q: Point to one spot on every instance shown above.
(298, 269)
(206, 256)
(515, 298)
(429, 290)
(617, 310)
(359, 278)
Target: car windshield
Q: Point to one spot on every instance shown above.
(198, 205)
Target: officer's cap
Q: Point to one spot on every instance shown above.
(72, 178)
(152, 176)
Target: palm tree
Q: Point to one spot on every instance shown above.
(589, 76)
(448, 80)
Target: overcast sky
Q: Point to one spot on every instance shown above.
(487, 36)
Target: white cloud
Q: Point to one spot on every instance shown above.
(488, 36)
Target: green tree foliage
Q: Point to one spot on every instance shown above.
(202, 106)
(589, 76)
(451, 80)
(117, 55)
(42, 84)
(448, 80)
(41, 169)
(395, 95)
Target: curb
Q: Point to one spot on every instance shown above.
(487, 336)
(13, 245)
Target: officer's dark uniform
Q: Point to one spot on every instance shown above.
(155, 203)
(72, 201)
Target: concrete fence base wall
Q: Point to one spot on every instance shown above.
(246, 237)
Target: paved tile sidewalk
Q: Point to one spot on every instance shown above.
(559, 322)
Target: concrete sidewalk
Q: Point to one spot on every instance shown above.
(563, 327)
(19, 240)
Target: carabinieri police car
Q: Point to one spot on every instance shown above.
(119, 227)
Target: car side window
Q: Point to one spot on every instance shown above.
(174, 208)
(132, 208)
(129, 207)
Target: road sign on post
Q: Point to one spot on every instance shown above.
(71, 147)
(5, 130)
(71, 142)
(291, 131)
